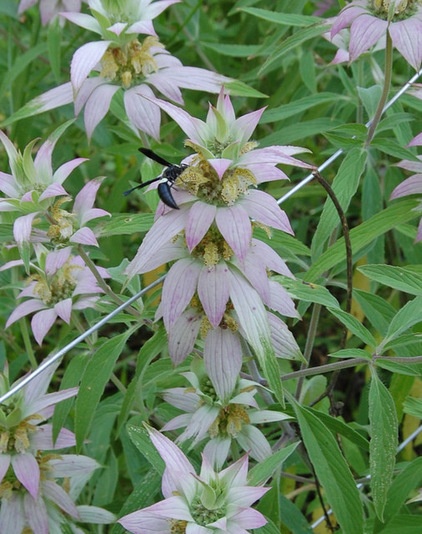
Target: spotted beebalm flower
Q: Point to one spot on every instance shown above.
(32, 186)
(220, 420)
(69, 227)
(31, 498)
(22, 434)
(53, 509)
(369, 21)
(123, 62)
(49, 9)
(219, 283)
(412, 185)
(211, 502)
(63, 285)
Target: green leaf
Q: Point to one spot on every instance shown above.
(409, 479)
(400, 368)
(72, 375)
(404, 524)
(307, 292)
(54, 47)
(260, 473)
(383, 444)
(140, 438)
(331, 469)
(392, 148)
(337, 426)
(233, 50)
(351, 353)
(354, 325)
(362, 235)
(298, 106)
(413, 406)
(150, 349)
(238, 88)
(345, 185)
(378, 311)
(292, 42)
(299, 130)
(286, 19)
(93, 383)
(21, 63)
(396, 277)
(409, 315)
(127, 224)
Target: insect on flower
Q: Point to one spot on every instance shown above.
(166, 179)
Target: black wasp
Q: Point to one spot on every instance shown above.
(166, 178)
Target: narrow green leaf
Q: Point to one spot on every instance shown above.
(399, 278)
(409, 315)
(337, 426)
(54, 47)
(292, 517)
(362, 235)
(292, 42)
(261, 472)
(299, 130)
(286, 19)
(140, 438)
(128, 224)
(308, 292)
(93, 383)
(351, 353)
(378, 311)
(399, 368)
(21, 63)
(410, 478)
(233, 50)
(354, 325)
(238, 88)
(392, 148)
(298, 106)
(331, 469)
(404, 524)
(344, 186)
(383, 444)
(413, 406)
(150, 349)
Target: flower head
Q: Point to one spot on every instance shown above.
(218, 502)
(121, 61)
(32, 187)
(412, 185)
(65, 284)
(22, 432)
(219, 286)
(52, 508)
(49, 9)
(220, 420)
(370, 20)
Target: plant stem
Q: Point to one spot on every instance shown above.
(386, 88)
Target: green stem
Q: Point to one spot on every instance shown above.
(385, 90)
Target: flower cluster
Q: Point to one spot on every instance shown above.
(217, 502)
(218, 285)
(121, 61)
(220, 420)
(34, 192)
(62, 283)
(370, 20)
(30, 493)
